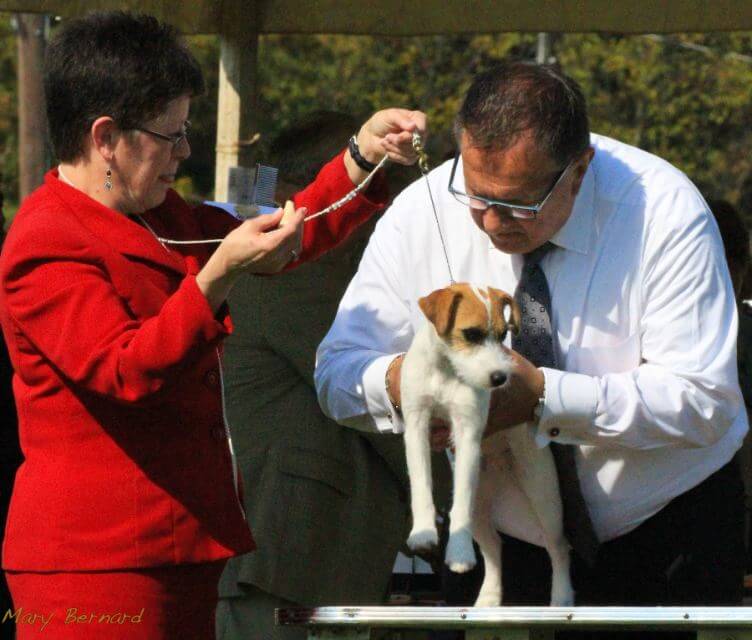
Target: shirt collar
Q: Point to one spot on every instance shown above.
(576, 234)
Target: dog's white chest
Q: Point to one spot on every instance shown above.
(446, 392)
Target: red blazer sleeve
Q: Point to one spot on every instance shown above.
(325, 232)
(332, 183)
(62, 302)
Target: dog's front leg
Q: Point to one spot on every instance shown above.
(467, 430)
(418, 454)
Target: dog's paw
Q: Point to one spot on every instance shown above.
(563, 597)
(423, 539)
(461, 567)
(490, 599)
(460, 555)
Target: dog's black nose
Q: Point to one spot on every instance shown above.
(498, 378)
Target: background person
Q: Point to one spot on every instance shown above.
(644, 334)
(735, 237)
(125, 501)
(10, 451)
(329, 505)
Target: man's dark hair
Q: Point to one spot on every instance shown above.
(116, 64)
(515, 97)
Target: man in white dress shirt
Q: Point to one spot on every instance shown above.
(644, 331)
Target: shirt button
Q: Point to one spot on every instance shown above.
(211, 378)
(553, 432)
(218, 433)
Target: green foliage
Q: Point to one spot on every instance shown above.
(690, 107)
(8, 113)
(362, 74)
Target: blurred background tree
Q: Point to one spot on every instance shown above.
(8, 112)
(683, 97)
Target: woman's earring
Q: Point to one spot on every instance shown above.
(108, 180)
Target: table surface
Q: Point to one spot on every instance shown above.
(469, 617)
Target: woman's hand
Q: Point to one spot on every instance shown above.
(258, 245)
(388, 132)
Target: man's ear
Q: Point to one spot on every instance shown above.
(440, 307)
(104, 135)
(581, 168)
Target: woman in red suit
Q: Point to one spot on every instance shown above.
(125, 507)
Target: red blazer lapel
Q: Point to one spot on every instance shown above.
(124, 235)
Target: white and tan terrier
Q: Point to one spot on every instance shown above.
(454, 362)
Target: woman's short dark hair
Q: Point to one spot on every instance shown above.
(514, 97)
(116, 64)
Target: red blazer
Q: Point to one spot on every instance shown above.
(115, 352)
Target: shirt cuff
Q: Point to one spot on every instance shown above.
(568, 408)
(379, 406)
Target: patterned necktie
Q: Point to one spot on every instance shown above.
(535, 342)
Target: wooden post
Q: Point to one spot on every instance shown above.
(543, 49)
(32, 122)
(236, 109)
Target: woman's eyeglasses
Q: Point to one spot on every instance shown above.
(479, 203)
(175, 138)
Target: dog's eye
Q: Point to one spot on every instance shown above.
(473, 335)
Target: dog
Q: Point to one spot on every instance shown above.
(453, 363)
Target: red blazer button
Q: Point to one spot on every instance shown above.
(211, 378)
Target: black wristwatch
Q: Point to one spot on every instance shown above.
(357, 157)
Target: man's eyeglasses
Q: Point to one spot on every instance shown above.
(522, 211)
(174, 138)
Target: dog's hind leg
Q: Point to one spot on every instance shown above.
(489, 542)
(460, 555)
(418, 454)
(536, 473)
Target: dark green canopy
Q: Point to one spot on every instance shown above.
(401, 18)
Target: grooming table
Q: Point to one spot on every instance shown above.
(519, 623)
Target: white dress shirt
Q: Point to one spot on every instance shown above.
(644, 327)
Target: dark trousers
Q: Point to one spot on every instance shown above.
(689, 553)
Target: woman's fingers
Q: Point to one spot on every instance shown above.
(264, 222)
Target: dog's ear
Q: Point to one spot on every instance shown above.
(512, 319)
(440, 307)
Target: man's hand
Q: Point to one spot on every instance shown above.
(511, 404)
(514, 401)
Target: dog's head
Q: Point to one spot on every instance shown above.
(472, 324)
